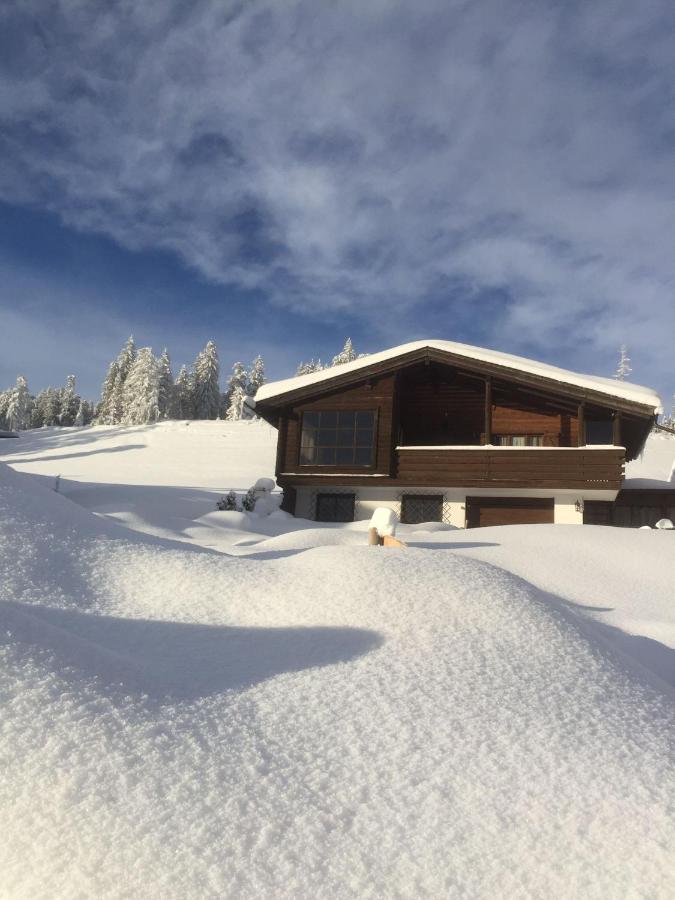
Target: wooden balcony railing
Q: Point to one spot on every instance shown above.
(507, 467)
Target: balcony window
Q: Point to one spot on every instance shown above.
(599, 431)
(338, 438)
(520, 440)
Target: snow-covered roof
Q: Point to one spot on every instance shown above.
(609, 386)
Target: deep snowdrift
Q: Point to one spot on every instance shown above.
(332, 722)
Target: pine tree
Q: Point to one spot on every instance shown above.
(19, 408)
(167, 390)
(69, 403)
(105, 411)
(347, 354)
(4, 405)
(306, 368)
(81, 414)
(183, 394)
(256, 376)
(140, 397)
(206, 390)
(624, 367)
(236, 391)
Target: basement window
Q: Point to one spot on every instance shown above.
(416, 508)
(337, 438)
(335, 507)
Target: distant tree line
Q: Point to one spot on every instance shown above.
(140, 388)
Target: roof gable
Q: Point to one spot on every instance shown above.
(493, 362)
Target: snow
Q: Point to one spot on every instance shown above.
(489, 714)
(610, 386)
(385, 520)
(655, 468)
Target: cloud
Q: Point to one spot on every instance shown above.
(370, 159)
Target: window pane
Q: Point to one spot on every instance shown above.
(307, 455)
(518, 440)
(345, 437)
(364, 419)
(346, 419)
(326, 456)
(325, 437)
(363, 456)
(329, 419)
(535, 440)
(310, 418)
(364, 438)
(598, 432)
(504, 440)
(344, 455)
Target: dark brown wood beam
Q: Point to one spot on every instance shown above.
(488, 410)
(581, 415)
(616, 429)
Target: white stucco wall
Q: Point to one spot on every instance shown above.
(369, 498)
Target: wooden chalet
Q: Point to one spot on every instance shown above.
(442, 431)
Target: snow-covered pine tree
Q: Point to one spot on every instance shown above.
(140, 398)
(183, 394)
(105, 410)
(167, 389)
(306, 368)
(19, 408)
(46, 408)
(206, 390)
(347, 354)
(624, 367)
(256, 376)
(236, 390)
(4, 404)
(69, 403)
(81, 415)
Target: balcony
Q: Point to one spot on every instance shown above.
(590, 468)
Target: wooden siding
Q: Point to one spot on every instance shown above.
(525, 468)
(377, 395)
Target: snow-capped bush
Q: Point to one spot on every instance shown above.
(249, 501)
(229, 503)
(664, 524)
(264, 485)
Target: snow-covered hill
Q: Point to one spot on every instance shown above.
(318, 718)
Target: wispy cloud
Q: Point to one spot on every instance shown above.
(368, 157)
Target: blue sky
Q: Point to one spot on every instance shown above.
(277, 176)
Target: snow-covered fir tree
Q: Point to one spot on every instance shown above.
(167, 389)
(237, 393)
(624, 367)
(306, 368)
(183, 394)
(47, 408)
(140, 399)
(256, 376)
(111, 407)
(69, 403)
(347, 354)
(18, 414)
(4, 404)
(205, 386)
(81, 415)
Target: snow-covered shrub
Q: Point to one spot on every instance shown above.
(267, 503)
(385, 520)
(665, 524)
(249, 501)
(264, 485)
(229, 503)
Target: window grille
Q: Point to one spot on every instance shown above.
(335, 507)
(416, 508)
(337, 438)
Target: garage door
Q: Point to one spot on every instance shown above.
(483, 511)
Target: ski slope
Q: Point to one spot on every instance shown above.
(488, 713)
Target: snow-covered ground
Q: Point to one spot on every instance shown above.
(272, 709)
